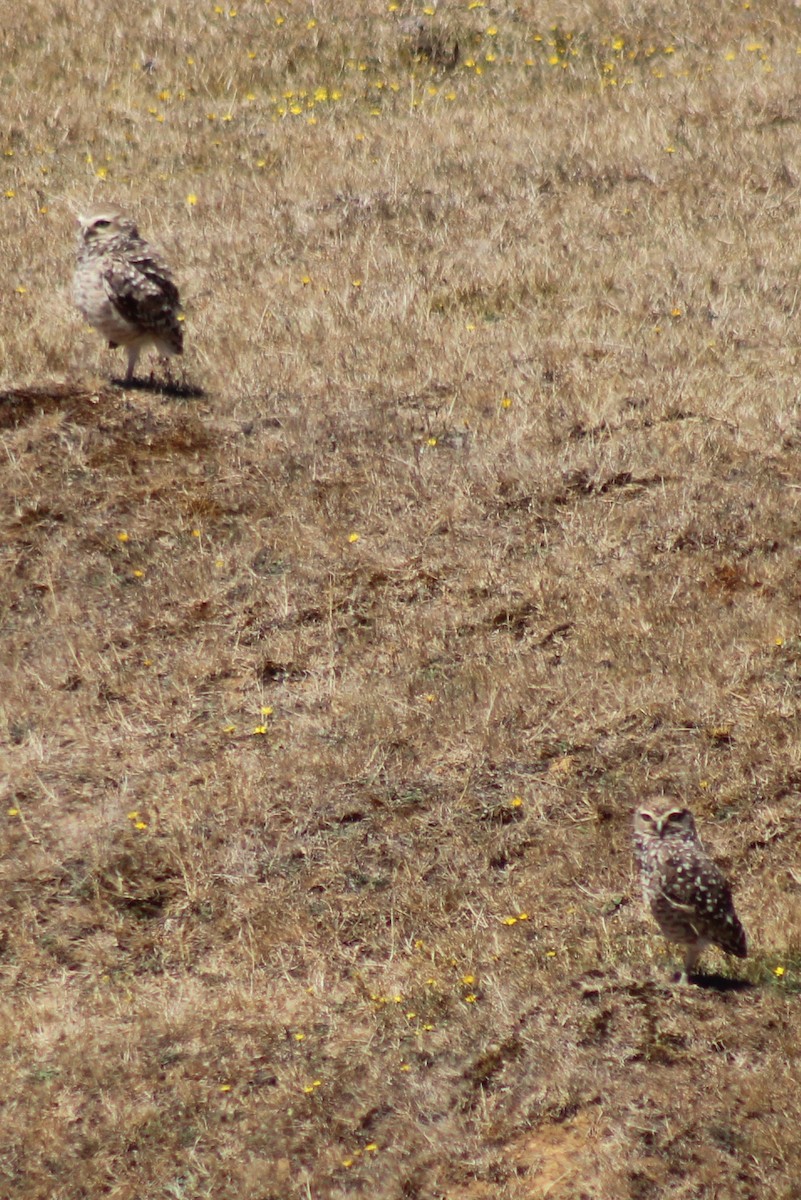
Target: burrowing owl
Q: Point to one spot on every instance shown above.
(124, 288)
(687, 894)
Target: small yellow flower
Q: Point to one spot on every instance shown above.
(372, 1147)
(122, 536)
(195, 533)
(522, 916)
(191, 199)
(779, 641)
(470, 998)
(260, 729)
(550, 954)
(510, 920)
(21, 290)
(347, 1162)
(492, 31)
(357, 283)
(778, 972)
(229, 729)
(468, 979)
(405, 1067)
(13, 812)
(432, 441)
(311, 24)
(138, 574)
(517, 802)
(410, 1016)
(676, 312)
(353, 537)
(299, 1037)
(266, 710)
(140, 825)
(224, 1087)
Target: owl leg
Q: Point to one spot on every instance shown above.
(133, 355)
(691, 956)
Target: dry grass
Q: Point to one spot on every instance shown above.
(276, 792)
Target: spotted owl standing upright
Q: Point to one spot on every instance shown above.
(687, 894)
(124, 288)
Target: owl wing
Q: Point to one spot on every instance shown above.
(141, 289)
(696, 886)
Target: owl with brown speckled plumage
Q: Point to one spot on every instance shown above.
(124, 288)
(687, 894)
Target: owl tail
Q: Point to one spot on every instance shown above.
(734, 940)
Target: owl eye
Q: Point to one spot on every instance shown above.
(102, 223)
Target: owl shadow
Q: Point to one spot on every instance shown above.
(182, 391)
(713, 982)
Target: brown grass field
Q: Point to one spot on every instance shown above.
(332, 673)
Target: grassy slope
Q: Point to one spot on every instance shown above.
(528, 328)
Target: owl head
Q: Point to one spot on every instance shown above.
(663, 819)
(103, 225)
